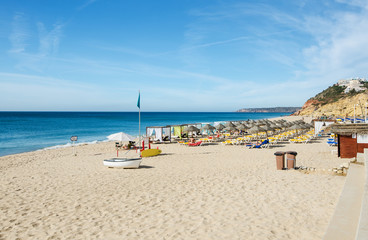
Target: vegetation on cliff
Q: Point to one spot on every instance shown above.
(329, 95)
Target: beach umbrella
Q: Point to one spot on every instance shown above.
(250, 125)
(220, 126)
(306, 126)
(228, 124)
(208, 127)
(242, 127)
(287, 124)
(273, 125)
(268, 128)
(191, 129)
(230, 128)
(121, 136)
(295, 127)
(256, 129)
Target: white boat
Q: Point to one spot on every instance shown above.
(123, 162)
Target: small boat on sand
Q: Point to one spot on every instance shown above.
(123, 162)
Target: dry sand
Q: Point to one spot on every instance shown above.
(205, 192)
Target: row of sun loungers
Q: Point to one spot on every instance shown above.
(292, 136)
(305, 138)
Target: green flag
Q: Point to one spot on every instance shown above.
(139, 100)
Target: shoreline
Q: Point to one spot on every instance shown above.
(66, 145)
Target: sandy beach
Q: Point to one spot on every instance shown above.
(205, 192)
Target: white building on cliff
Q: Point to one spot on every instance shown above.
(353, 83)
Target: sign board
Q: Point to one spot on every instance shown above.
(74, 138)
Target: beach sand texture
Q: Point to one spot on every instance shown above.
(206, 192)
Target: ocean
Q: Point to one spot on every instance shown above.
(30, 131)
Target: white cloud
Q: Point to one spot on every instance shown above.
(49, 40)
(19, 34)
(21, 37)
(86, 4)
(339, 49)
(357, 3)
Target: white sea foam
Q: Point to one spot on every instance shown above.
(70, 145)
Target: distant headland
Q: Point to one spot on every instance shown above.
(270, 110)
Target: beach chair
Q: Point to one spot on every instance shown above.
(264, 144)
(195, 144)
(332, 143)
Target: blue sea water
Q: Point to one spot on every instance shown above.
(29, 131)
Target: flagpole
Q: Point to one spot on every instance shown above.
(139, 129)
(139, 107)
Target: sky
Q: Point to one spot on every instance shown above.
(182, 55)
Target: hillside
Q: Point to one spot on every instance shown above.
(275, 109)
(334, 102)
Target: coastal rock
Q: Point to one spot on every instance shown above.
(342, 107)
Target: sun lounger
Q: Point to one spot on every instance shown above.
(195, 144)
(264, 144)
(332, 143)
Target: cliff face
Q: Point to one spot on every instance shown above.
(344, 106)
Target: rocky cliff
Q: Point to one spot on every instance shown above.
(333, 102)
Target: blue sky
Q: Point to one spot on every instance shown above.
(183, 55)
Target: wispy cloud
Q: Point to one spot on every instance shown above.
(86, 4)
(357, 3)
(49, 40)
(23, 36)
(128, 51)
(19, 34)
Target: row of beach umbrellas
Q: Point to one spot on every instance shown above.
(254, 126)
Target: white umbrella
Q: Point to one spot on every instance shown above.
(120, 136)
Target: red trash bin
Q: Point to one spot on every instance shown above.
(280, 159)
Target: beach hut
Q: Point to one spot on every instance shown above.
(159, 133)
(352, 139)
(319, 124)
(178, 130)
